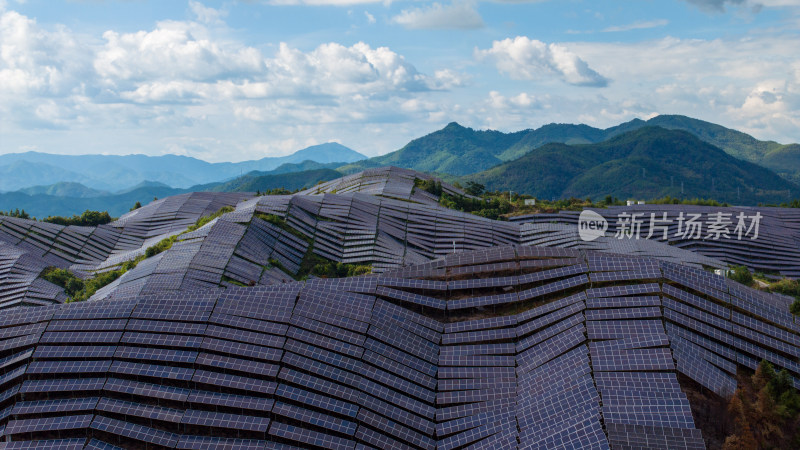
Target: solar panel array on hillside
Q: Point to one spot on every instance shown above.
(771, 246)
(377, 218)
(512, 347)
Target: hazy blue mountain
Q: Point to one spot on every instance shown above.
(113, 173)
(647, 163)
(147, 184)
(41, 205)
(19, 174)
(65, 189)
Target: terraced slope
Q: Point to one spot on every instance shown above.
(376, 218)
(509, 347)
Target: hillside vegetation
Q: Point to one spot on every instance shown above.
(454, 150)
(646, 163)
(261, 182)
(457, 150)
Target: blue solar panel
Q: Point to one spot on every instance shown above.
(531, 353)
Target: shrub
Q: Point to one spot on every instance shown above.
(162, 246)
(16, 213)
(206, 219)
(330, 269)
(87, 219)
(741, 274)
(786, 287)
(794, 308)
(64, 278)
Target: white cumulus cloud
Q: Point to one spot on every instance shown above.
(174, 50)
(34, 60)
(206, 14)
(459, 15)
(334, 69)
(529, 59)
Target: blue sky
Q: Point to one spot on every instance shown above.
(237, 80)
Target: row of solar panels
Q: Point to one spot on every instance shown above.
(762, 239)
(359, 362)
(384, 231)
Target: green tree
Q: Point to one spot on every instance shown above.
(794, 308)
(741, 274)
(87, 219)
(474, 188)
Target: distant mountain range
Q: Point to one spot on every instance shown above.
(65, 189)
(112, 173)
(666, 155)
(457, 150)
(66, 199)
(264, 181)
(645, 163)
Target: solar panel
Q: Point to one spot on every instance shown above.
(440, 354)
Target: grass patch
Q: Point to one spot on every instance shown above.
(226, 279)
(206, 219)
(283, 225)
(166, 243)
(162, 246)
(79, 290)
(315, 265)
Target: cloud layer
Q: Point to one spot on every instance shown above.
(461, 15)
(522, 58)
(193, 87)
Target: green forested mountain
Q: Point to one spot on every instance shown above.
(454, 150)
(264, 181)
(646, 163)
(783, 159)
(301, 167)
(457, 150)
(633, 159)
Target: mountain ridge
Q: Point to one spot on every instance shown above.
(447, 151)
(645, 163)
(117, 172)
(39, 204)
